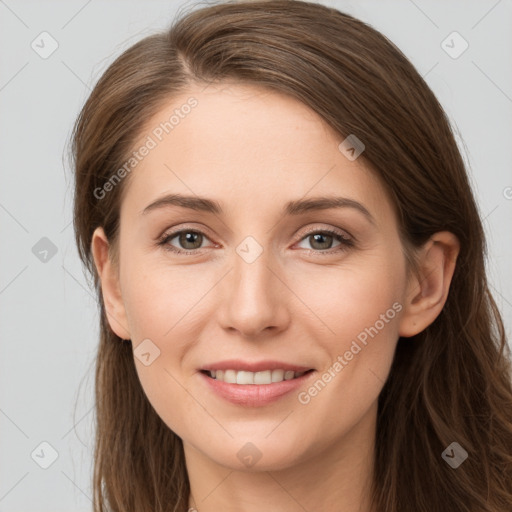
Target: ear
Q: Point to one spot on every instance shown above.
(110, 289)
(427, 292)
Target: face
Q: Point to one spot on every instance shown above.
(257, 278)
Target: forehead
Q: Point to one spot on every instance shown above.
(247, 146)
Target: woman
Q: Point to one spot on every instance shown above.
(289, 264)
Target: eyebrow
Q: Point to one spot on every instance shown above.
(296, 207)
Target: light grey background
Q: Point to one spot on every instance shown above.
(49, 317)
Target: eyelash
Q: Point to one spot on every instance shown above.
(345, 243)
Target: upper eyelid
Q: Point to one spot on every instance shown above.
(171, 233)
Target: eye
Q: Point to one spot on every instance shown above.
(189, 240)
(322, 240)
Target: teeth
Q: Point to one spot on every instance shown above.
(230, 376)
(277, 375)
(244, 377)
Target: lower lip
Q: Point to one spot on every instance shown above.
(254, 395)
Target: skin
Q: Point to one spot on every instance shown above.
(253, 150)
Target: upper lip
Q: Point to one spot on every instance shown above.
(254, 366)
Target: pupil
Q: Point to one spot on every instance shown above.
(325, 245)
(187, 238)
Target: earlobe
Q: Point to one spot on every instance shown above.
(110, 288)
(428, 290)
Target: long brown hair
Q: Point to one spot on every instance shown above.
(451, 382)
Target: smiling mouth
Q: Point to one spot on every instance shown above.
(253, 378)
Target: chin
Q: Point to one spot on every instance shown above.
(254, 455)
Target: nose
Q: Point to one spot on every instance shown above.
(253, 298)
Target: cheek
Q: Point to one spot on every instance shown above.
(345, 300)
(159, 298)
(357, 310)
(161, 305)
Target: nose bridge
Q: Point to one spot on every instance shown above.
(252, 300)
(252, 279)
(251, 273)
